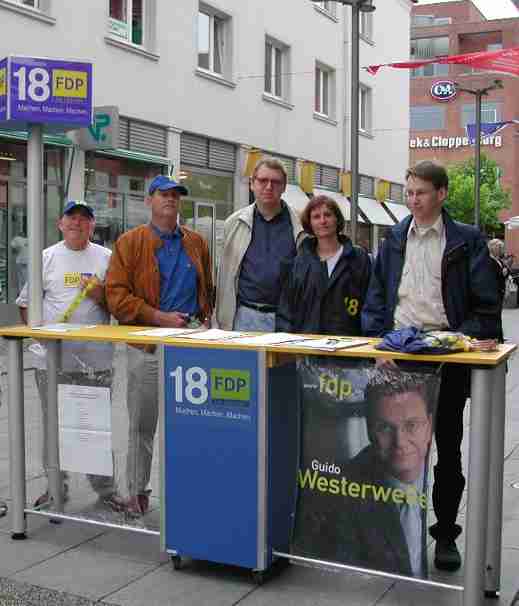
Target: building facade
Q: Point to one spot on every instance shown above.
(199, 85)
(438, 125)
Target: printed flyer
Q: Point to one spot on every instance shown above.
(363, 479)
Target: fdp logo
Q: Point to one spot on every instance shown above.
(191, 385)
(3, 82)
(444, 90)
(230, 384)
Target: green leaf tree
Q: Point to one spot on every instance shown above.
(493, 198)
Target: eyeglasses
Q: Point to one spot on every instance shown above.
(274, 183)
(419, 193)
(410, 427)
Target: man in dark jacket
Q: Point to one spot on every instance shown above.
(435, 273)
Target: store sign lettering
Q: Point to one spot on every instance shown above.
(444, 90)
(438, 142)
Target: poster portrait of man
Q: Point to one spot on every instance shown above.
(369, 510)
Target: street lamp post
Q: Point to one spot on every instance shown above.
(357, 7)
(478, 93)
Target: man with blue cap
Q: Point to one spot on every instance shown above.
(73, 273)
(159, 275)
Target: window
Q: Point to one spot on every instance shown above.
(331, 7)
(276, 69)
(427, 48)
(365, 109)
(490, 112)
(396, 192)
(33, 3)
(366, 185)
(324, 90)
(366, 26)
(210, 42)
(494, 47)
(126, 20)
(427, 117)
(429, 20)
(327, 177)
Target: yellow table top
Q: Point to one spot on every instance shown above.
(122, 334)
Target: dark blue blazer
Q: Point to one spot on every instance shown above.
(470, 290)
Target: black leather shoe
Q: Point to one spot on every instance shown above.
(446, 556)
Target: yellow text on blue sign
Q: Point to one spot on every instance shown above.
(69, 83)
(3, 82)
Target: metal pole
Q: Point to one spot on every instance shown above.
(477, 501)
(477, 167)
(354, 110)
(35, 221)
(54, 472)
(16, 436)
(495, 483)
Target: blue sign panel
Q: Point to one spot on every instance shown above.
(211, 454)
(3, 89)
(49, 91)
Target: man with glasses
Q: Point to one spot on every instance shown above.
(383, 522)
(258, 239)
(435, 273)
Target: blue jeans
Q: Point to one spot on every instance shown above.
(255, 321)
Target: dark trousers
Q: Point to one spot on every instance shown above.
(449, 481)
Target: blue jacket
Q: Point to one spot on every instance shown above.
(470, 291)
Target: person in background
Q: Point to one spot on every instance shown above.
(496, 248)
(159, 275)
(69, 267)
(434, 273)
(257, 240)
(326, 285)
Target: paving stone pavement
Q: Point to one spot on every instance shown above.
(72, 564)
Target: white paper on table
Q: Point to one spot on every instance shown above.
(329, 343)
(216, 334)
(63, 327)
(85, 429)
(271, 338)
(163, 332)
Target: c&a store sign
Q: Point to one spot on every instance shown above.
(439, 142)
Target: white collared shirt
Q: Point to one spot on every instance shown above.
(420, 302)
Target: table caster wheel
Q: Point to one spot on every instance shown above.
(176, 560)
(258, 576)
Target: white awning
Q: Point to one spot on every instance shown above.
(296, 197)
(399, 210)
(512, 223)
(342, 201)
(374, 211)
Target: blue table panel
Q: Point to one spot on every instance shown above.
(211, 454)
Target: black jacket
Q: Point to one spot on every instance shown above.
(369, 532)
(470, 291)
(312, 302)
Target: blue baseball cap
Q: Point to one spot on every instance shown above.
(73, 204)
(164, 183)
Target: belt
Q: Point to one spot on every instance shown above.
(261, 307)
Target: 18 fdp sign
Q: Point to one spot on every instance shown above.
(40, 90)
(444, 90)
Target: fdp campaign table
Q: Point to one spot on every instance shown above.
(229, 446)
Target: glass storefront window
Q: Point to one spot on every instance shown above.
(117, 188)
(206, 191)
(13, 212)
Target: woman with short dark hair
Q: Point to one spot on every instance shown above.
(325, 285)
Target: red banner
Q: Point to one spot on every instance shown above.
(504, 61)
